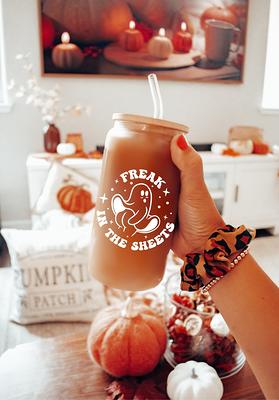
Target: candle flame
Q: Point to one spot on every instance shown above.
(162, 32)
(132, 25)
(183, 26)
(65, 38)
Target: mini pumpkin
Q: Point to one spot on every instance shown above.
(194, 381)
(260, 148)
(131, 39)
(182, 40)
(127, 341)
(67, 56)
(160, 46)
(75, 199)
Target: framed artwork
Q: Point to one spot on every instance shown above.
(191, 40)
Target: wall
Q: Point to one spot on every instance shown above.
(209, 109)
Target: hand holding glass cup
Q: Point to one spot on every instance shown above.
(137, 203)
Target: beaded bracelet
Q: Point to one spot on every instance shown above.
(234, 263)
(223, 244)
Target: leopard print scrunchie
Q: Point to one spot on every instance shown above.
(214, 262)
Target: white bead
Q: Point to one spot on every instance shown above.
(239, 258)
(235, 261)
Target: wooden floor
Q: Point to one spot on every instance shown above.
(264, 249)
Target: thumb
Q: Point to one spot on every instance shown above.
(187, 160)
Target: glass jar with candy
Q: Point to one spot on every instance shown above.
(197, 331)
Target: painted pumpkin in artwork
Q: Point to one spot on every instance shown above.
(89, 21)
(75, 199)
(155, 13)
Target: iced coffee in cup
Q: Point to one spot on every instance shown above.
(137, 204)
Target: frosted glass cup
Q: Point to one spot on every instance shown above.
(137, 203)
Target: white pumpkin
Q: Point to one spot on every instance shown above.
(194, 381)
(242, 146)
(160, 46)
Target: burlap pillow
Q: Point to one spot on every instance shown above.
(51, 279)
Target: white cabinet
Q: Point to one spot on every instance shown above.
(245, 189)
(219, 180)
(256, 195)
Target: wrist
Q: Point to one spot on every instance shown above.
(223, 250)
(214, 224)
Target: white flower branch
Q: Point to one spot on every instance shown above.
(47, 101)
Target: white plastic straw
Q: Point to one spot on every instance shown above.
(156, 96)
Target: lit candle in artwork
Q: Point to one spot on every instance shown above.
(182, 40)
(67, 55)
(131, 39)
(160, 46)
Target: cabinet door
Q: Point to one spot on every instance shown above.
(219, 180)
(255, 199)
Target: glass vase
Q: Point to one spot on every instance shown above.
(197, 331)
(51, 138)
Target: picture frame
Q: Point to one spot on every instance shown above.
(210, 47)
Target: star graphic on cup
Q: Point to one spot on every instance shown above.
(103, 198)
(166, 192)
(165, 217)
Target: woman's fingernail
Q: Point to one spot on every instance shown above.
(182, 142)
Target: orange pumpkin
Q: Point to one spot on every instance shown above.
(261, 148)
(127, 341)
(131, 40)
(182, 41)
(220, 14)
(75, 199)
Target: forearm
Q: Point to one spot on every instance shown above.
(249, 302)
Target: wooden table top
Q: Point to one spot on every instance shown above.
(59, 368)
